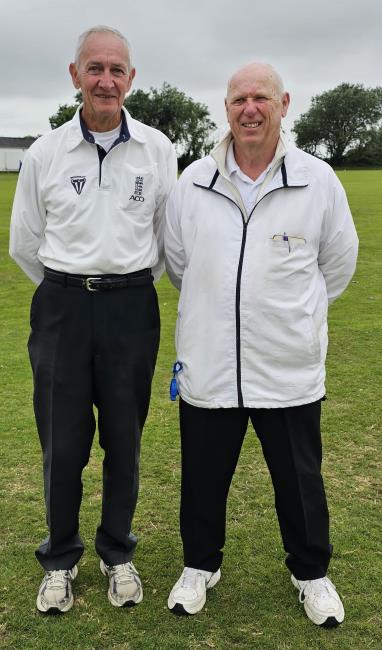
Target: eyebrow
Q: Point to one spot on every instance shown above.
(244, 95)
(119, 64)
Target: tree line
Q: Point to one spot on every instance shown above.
(342, 126)
(185, 122)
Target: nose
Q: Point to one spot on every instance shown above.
(106, 80)
(250, 106)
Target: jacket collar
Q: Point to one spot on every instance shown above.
(286, 169)
(78, 131)
(219, 153)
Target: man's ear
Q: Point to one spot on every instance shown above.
(285, 104)
(74, 74)
(130, 79)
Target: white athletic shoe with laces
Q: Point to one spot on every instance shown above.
(188, 595)
(321, 602)
(55, 593)
(125, 587)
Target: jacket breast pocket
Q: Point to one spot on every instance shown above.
(138, 190)
(289, 270)
(288, 243)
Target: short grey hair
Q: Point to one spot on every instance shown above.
(101, 29)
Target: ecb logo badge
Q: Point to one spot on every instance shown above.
(138, 190)
(78, 183)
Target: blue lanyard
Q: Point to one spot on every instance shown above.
(174, 392)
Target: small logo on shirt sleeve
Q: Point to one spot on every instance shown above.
(78, 183)
(138, 190)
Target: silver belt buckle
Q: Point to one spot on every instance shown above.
(88, 285)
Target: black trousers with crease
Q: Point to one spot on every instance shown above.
(291, 442)
(91, 348)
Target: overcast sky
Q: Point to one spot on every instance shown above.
(194, 45)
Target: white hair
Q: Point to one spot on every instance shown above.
(101, 29)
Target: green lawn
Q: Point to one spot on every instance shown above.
(254, 605)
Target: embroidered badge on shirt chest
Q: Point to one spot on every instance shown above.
(78, 183)
(138, 190)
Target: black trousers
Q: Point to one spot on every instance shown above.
(291, 443)
(91, 348)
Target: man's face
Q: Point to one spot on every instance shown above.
(104, 78)
(254, 108)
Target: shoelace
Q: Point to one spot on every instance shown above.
(123, 573)
(57, 578)
(190, 577)
(320, 587)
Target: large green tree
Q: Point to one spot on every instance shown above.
(187, 123)
(339, 120)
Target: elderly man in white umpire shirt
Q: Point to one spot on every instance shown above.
(87, 227)
(259, 238)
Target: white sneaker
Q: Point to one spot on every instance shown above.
(188, 595)
(321, 602)
(55, 593)
(125, 587)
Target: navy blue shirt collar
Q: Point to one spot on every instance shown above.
(124, 134)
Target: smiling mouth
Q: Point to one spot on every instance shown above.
(251, 125)
(106, 96)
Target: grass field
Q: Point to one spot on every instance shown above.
(264, 612)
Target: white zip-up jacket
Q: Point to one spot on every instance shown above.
(76, 213)
(255, 288)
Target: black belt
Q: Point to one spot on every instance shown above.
(99, 282)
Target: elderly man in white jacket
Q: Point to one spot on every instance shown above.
(259, 239)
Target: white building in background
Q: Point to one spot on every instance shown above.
(12, 151)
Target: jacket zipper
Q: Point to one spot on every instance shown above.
(237, 313)
(239, 272)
